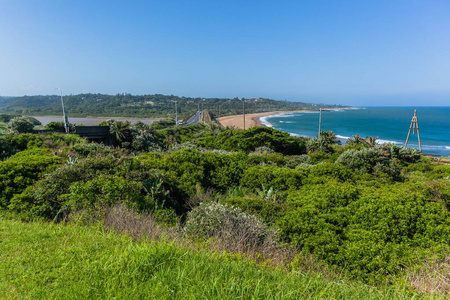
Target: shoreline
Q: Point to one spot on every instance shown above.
(253, 120)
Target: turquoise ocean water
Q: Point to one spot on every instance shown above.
(389, 124)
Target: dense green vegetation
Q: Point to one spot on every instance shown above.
(144, 106)
(373, 214)
(17, 123)
(4, 101)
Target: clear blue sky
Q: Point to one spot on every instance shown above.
(344, 52)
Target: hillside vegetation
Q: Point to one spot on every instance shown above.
(143, 106)
(377, 215)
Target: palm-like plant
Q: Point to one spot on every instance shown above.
(318, 144)
(329, 137)
(121, 131)
(268, 194)
(371, 141)
(356, 140)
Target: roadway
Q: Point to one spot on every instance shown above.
(195, 118)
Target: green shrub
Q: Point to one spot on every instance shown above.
(298, 161)
(272, 176)
(85, 149)
(57, 126)
(10, 144)
(268, 211)
(319, 144)
(356, 140)
(263, 150)
(20, 125)
(265, 158)
(176, 147)
(319, 156)
(163, 123)
(317, 216)
(6, 118)
(63, 139)
(223, 170)
(374, 232)
(103, 191)
(255, 137)
(22, 170)
(441, 172)
(367, 160)
(43, 197)
(189, 168)
(143, 140)
(390, 226)
(393, 151)
(217, 220)
(324, 172)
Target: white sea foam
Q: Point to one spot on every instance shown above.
(294, 134)
(381, 141)
(342, 137)
(433, 147)
(264, 121)
(288, 115)
(310, 112)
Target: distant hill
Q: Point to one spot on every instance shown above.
(4, 101)
(139, 106)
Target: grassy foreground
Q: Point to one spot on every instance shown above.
(48, 261)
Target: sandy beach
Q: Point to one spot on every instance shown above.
(251, 120)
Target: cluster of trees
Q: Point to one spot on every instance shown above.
(370, 211)
(144, 106)
(19, 124)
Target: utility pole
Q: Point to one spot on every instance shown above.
(243, 108)
(66, 128)
(203, 115)
(414, 126)
(176, 114)
(320, 121)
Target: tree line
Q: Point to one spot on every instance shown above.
(145, 106)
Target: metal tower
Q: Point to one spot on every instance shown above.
(414, 126)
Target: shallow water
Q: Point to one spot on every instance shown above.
(389, 124)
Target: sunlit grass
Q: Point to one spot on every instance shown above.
(47, 261)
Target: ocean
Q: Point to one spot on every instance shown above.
(389, 124)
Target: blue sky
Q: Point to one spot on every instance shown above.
(338, 52)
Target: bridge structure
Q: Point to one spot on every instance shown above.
(196, 118)
(100, 134)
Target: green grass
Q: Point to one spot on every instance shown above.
(47, 261)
